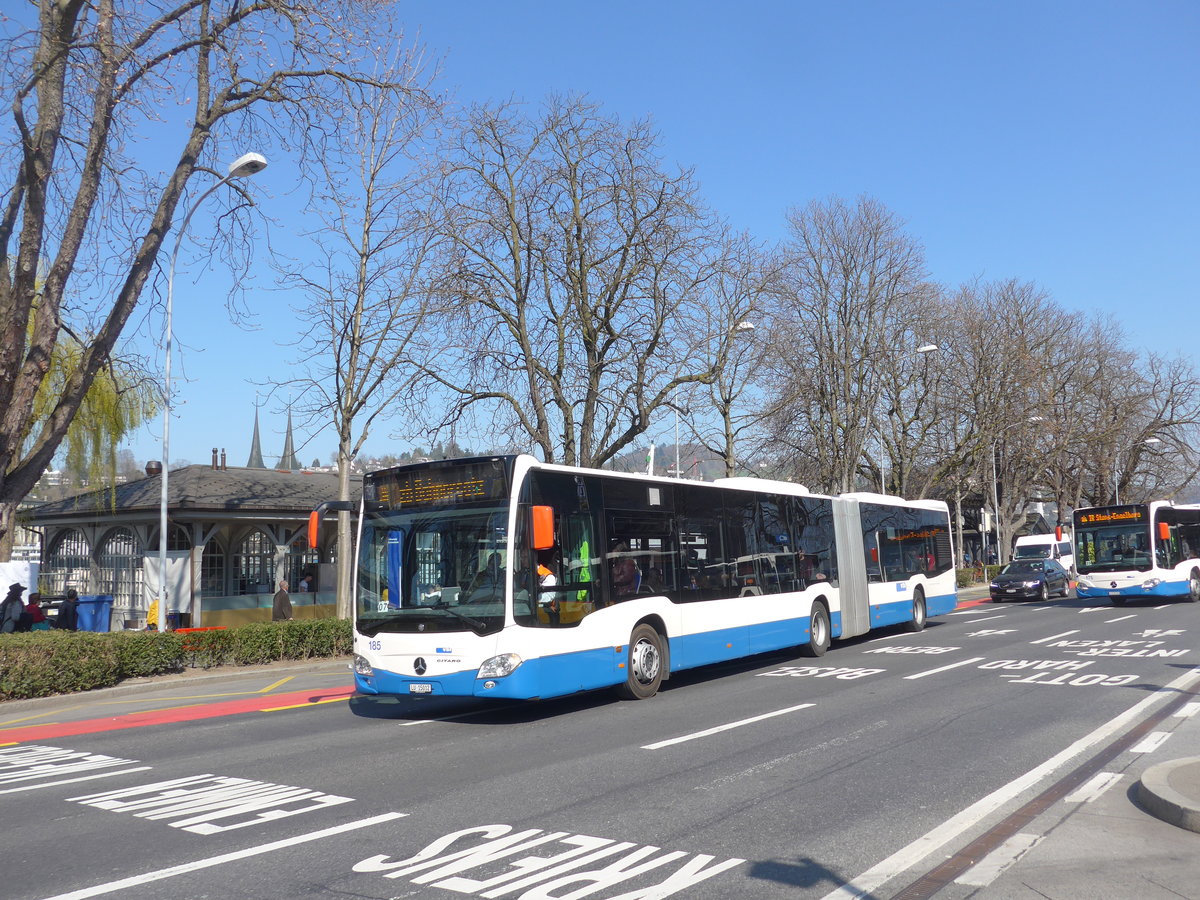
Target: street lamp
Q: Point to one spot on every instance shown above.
(1117, 470)
(245, 165)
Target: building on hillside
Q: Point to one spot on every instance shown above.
(232, 535)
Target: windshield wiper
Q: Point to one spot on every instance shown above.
(475, 624)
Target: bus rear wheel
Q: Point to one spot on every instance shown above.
(818, 632)
(919, 614)
(643, 665)
(1194, 587)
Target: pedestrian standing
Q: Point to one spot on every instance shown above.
(11, 608)
(281, 608)
(68, 612)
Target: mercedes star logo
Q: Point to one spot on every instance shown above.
(419, 666)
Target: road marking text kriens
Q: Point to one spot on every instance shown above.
(568, 863)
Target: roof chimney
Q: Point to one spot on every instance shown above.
(224, 467)
(153, 467)
(214, 462)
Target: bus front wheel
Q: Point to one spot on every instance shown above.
(1194, 586)
(643, 664)
(818, 632)
(917, 622)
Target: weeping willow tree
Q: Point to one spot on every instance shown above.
(120, 399)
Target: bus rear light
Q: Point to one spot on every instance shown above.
(499, 666)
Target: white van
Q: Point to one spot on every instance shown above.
(1045, 546)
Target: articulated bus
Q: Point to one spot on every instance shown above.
(509, 578)
(1138, 550)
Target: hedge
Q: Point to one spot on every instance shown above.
(42, 663)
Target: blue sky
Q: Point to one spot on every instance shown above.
(1055, 142)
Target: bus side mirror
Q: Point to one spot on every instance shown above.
(1164, 531)
(317, 515)
(542, 520)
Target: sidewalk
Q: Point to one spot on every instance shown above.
(1138, 838)
(1169, 790)
(1114, 846)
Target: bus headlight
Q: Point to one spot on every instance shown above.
(1081, 581)
(361, 666)
(499, 666)
(1151, 583)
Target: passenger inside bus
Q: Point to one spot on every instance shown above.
(625, 574)
(547, 579)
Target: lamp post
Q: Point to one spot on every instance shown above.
(245, 165)
(922, 350)
(1117, 469)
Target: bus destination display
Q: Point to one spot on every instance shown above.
(1115, 515)
(439, 486)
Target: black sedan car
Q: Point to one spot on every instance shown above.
(1030, 579)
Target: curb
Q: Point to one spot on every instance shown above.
(1156, 794)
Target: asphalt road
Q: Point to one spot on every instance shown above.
(903, 765)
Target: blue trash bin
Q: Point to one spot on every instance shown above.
(95, 612)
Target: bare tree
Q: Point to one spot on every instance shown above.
(365, 288)
(1009, 339)
(1155, 424)
(82, 86)
(577, 267)
(844, 302)
(720, 411)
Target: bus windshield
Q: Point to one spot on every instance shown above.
(433, 570)
(1112, 548)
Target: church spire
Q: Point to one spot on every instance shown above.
(256, 460)
(288, 460)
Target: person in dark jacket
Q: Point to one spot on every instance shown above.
(68, 612)
(281, 607)
(11, 609)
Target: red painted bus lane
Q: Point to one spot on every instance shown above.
(175, 715)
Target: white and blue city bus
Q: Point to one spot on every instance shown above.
(509, 578)
(1138, 550)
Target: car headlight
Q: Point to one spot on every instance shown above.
(1151, 583)
(361, 666)
(499, 666)
(995, 586)
(1031, 583)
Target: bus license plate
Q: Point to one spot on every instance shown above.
(1114, 593)
(420, 688)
